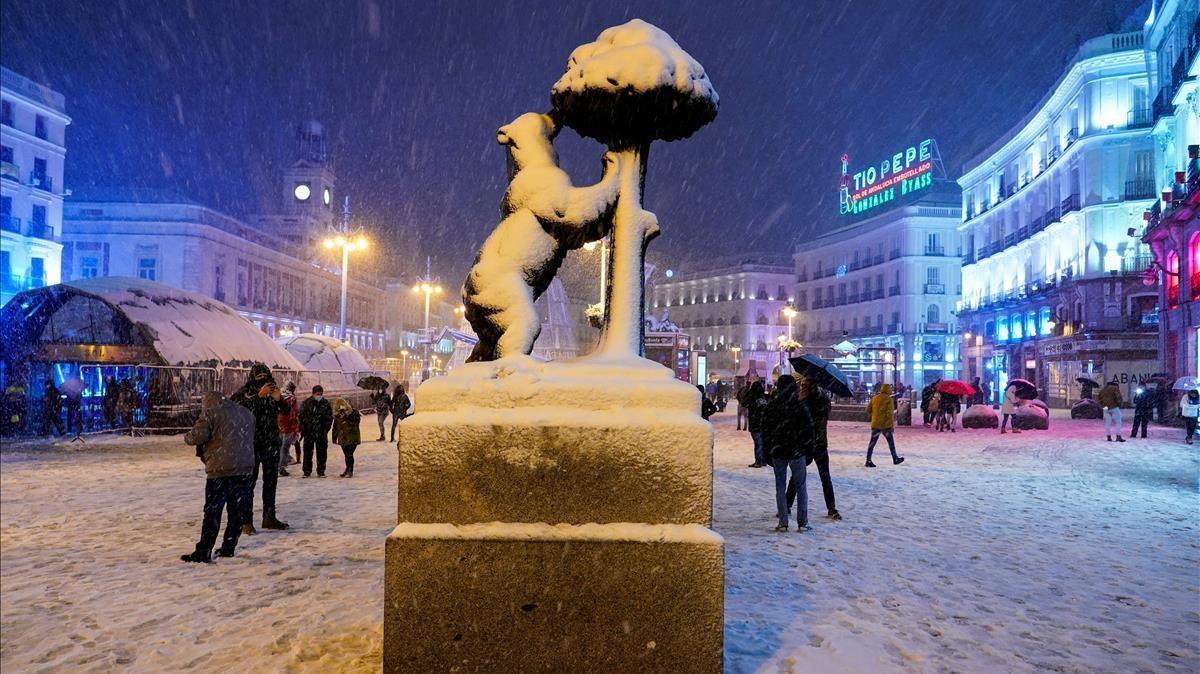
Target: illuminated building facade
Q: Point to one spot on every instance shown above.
(1172, 227)
(889, 278)
(1052, 283)
(33, 128)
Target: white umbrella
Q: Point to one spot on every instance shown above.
(1187, 384)
(73, 386)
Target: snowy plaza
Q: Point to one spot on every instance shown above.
(1044, 551)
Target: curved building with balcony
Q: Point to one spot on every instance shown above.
(33, 129)
(1051, 281)
(891, 280)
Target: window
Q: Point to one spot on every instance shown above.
(933, 314)
(219, 283)
(6, 113)
(781, 293)
(1044, 320)
(148, 268)
(89, 267)
(762, 292)
(1193, 253)
(39, 221)
(39, 127)
(39, 174)
(1172, 280)
(933, 276)
(1031, 324)
(5, 266)
(6, 155)
(37, 272)
(1015, 327)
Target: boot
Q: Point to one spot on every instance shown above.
(1120, 439)
(195, 559)
(781, 527)
(870, 464)
(1110, 438)
(345, 473)
(380, 439)
(834, 515)
(283, 473)
(248, 529)
(272, 523)
(224, 552)
(898, 460)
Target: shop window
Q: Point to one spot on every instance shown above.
(1193, 253)
(1172, 280)
(1001, 329)
(1031, 324)
(1016, 328)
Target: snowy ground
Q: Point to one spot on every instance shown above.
(1042, 551)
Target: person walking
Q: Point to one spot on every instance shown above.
(127, 403)
(316, 418)
(788, 432)
(1143, 409)
(263, 398)
(928, 394)
(51, 409)
(743, 415)
(400, 404)
(108, 403)
(346, 432)
(755, 400)
(224, 441)
(707, 408)
(1110, 399)
(818, 407)
(1189, 409)
(882, 412)
(289, 428)
(382, 404)
(1008, 408)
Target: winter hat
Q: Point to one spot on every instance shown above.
(259, 369)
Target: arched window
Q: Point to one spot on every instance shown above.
(735, 320)
(1002, 329)
(1172, 280)
(708, 322)
(1044, 320)
(1016, 327)
(1031, 324)
(1193, 270)
(933, 314)
(762, 319)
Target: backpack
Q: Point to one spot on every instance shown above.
(935, 402)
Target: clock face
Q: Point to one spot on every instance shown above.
(326, 196)
(302, 192)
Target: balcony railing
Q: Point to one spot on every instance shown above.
(893, 291)
(935, 251)
(1136, 264)
(14, 283)
(1069, 204)
(852, 299)
(1139, 117)
(40, 231)
(895, 254)
(969, 258)
(1139, 189)
(893, 328)
(10, 223)
(10, 171)
(935, 289)
(877, 294)
(801, 277)
(878, 259)
(42, 182)
(1051, 216)
(937, 327)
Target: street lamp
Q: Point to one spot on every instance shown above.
(347, 241)
(429, 287)
(404, 365)
(790, 313)
(737, 350)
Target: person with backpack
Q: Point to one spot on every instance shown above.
(346, 432)
(882, 411)
(399, 405)
(789, 435)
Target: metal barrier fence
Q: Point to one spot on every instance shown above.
(164, 398)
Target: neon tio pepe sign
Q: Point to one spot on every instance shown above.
(902, 173)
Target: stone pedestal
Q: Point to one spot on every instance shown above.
(554, 517)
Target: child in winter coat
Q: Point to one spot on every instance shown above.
(345, 432)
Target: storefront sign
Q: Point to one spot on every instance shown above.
(904, 172)
(1074, 345)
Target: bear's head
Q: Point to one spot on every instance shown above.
(529, 140)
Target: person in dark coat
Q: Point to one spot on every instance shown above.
(52, 409)
(224, 440)
(707, 408)
(927, 394)
(400, 404)
(262, 396)
(754, 399)
(346, 432)
(789, 435)
(819, 407)
(108, 404)
(316, 418)
(1143, 408)
(382, 403)
(976, 398)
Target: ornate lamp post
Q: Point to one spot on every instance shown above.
(347, 241)
(429, 287)
(790, 313)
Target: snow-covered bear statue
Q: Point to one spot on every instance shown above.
(544, 217)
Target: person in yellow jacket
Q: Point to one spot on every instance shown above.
(882, 410)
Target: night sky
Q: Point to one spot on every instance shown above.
(202, 98)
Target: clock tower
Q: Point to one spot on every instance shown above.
(308, 200)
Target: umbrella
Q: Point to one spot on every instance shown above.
(1088, 381)
(823, 373)
(1025, 389)
(373, 383)
(73, 386)
(955, 387)
(1187, 384)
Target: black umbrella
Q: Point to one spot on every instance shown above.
(373, 383)
(1088, 381)
(1025, 389)
(823, 373)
